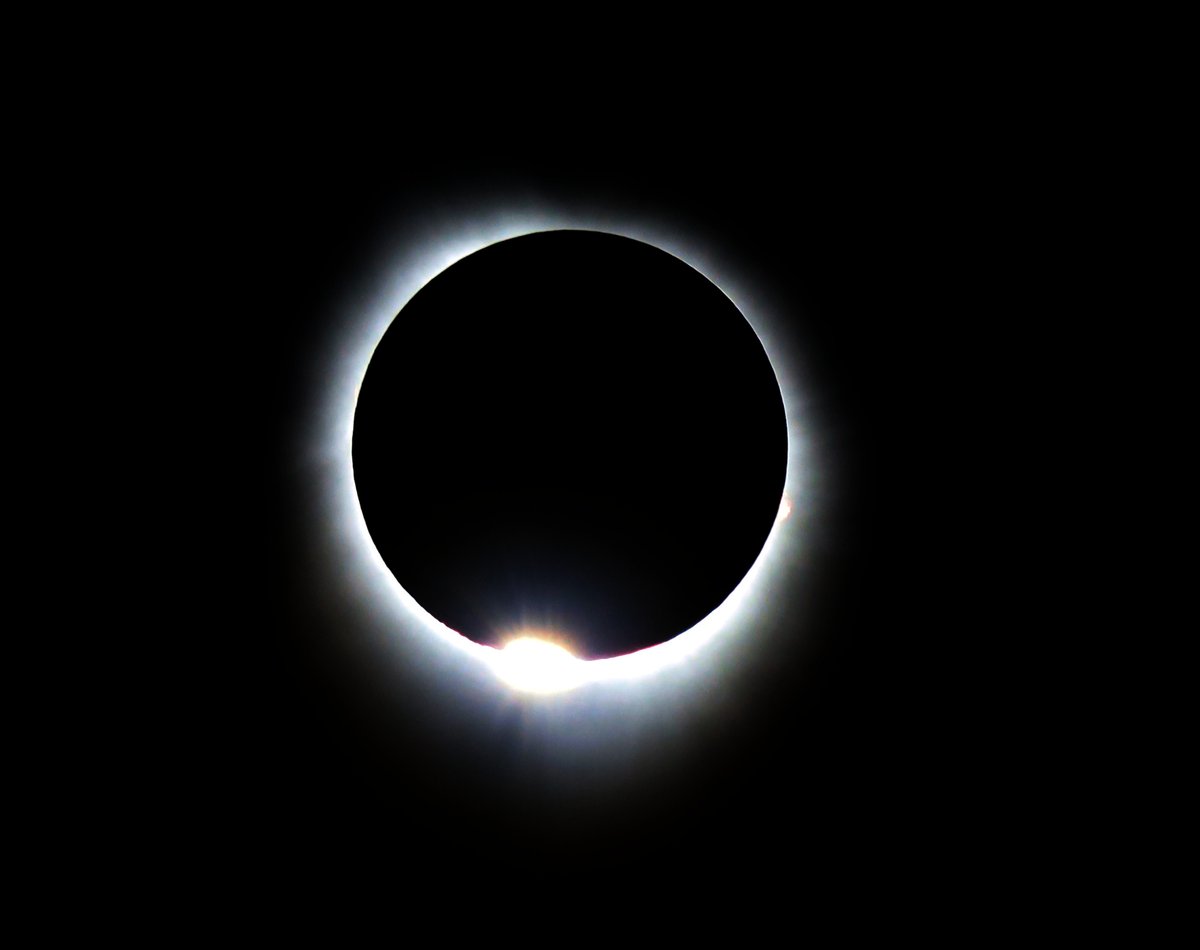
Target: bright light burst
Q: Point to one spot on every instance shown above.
(538, 666)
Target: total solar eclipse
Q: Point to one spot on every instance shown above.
(573, 435)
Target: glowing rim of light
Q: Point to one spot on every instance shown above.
(445, 246)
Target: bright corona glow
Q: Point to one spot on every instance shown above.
(536, 666)
(527, 664)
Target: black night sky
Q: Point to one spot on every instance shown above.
(625, 437)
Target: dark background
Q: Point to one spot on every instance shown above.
(862, 743)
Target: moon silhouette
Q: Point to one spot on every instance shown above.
(570, 431)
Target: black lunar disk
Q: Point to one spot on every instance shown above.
(570, 432)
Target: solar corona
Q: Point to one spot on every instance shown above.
(533, 663)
